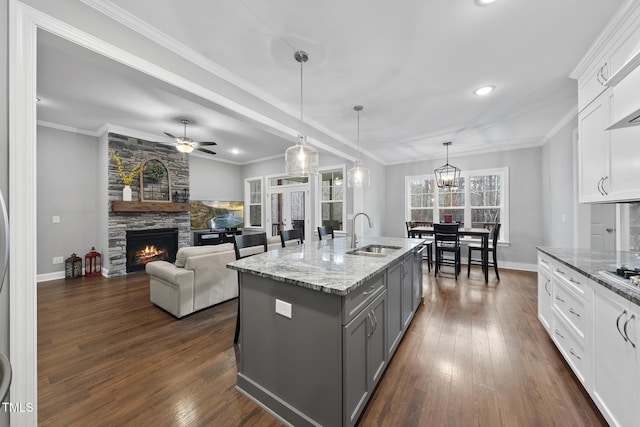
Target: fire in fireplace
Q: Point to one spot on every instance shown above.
(144, 246)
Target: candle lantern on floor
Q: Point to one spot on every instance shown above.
(73, 267)
(93, 263)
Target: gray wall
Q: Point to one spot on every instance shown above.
(557, 183)
(69, 187)
(525, 197)
(4, 171)
(214, 180)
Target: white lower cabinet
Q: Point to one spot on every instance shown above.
(544, 292)
(616, 368)
(597, 332)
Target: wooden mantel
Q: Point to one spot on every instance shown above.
(121, 206)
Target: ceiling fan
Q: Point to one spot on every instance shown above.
(187, 145)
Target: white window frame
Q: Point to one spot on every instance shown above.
(504, 197)
(247, 202)
(318, 201)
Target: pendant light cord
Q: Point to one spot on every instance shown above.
(301, 103)
(358, 135)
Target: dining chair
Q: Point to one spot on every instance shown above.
(493, 245)
(246, 245)
(447, 241)
(429, 244)
(327, 230)
(291, 236)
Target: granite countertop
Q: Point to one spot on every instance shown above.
(592, 262)
(324, 265)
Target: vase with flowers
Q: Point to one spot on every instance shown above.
(126, 178)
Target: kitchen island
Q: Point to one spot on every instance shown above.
(319, 323)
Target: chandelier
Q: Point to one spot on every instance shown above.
(447, 176)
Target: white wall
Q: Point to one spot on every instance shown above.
(214, 180)
(558, 176)
(525, 197)
(69, 187)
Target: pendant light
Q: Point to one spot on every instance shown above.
(301, 159)
(358, 176)
(447, 176)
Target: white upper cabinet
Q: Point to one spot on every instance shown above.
(609, 160)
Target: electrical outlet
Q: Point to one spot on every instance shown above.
(57, 260)
(283, 308)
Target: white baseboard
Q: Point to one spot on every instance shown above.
(60, 275)
(50, 276)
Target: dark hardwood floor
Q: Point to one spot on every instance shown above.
(475, 355)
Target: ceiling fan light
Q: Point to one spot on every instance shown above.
(184, 147)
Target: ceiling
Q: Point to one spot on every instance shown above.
(412, 64)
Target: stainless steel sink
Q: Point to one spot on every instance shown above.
(374, 250)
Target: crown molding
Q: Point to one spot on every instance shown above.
(613, 27)
(573, 112)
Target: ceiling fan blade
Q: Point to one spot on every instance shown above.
(170, 144)
(204, 150)
(169, 135)
(207, 143)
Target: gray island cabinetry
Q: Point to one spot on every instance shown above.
(320, 323)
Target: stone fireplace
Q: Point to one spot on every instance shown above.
(155, 215)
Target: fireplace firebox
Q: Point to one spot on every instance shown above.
(144, 246)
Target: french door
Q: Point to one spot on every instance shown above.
(288, 208)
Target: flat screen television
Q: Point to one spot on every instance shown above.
(216, 214)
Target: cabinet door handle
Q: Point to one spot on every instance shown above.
(573, 312)
(599, 187)
(573, 353)
(371, 323)
(633, 316)
(375, 321)
(546, 288)
(369, 292)
(559, 334)
(618, 325)
(560, 299)
(598, 75)
(603, 181)
(572, 280)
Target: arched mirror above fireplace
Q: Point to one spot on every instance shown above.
(155, 181)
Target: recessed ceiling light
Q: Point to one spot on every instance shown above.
(484, 90)
(484, 2)
(235, 151)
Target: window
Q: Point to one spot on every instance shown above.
(331, 190)
(253, 201)
(480, 199)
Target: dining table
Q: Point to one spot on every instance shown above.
(483, 233)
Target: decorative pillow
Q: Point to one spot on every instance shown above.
(189, 251)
